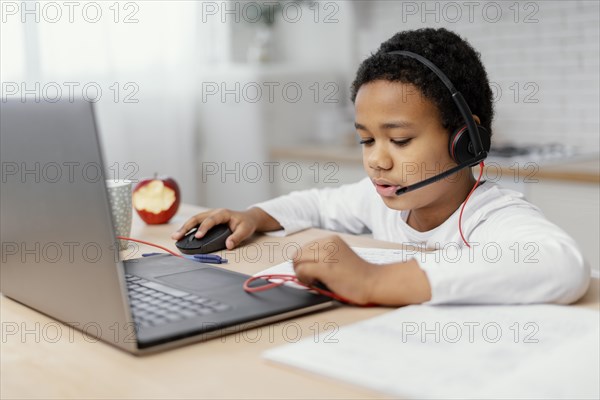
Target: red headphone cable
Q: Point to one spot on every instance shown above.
(150, 244)
(283, 278)
(481, 165)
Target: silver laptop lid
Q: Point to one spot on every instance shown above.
(59, 254)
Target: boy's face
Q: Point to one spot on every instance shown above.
(403, 143)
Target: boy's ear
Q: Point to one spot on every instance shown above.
(477, 120)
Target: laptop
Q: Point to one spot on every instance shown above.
(60, 256)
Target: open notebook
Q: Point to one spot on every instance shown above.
(537, 351)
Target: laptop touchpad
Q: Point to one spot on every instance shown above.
(201, 279)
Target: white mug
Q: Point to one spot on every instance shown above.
(119, 195)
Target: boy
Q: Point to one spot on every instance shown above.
(405, 117)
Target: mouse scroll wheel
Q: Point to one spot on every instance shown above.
(190, 238)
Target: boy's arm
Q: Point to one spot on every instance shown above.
(342, 209)
(399, 284)
(264, 222)
(516, 256)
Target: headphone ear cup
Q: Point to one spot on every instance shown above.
(460, 147)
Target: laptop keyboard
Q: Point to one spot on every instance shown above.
(155, 304)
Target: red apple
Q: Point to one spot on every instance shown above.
(156, 200)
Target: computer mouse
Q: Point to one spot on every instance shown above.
(213, 240)
(321, 285)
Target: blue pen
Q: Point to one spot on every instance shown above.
(210, 258)
(205, 258)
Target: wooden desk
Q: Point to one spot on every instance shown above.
(46, 359)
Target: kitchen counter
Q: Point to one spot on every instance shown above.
(573, 169)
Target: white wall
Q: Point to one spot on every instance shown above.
(166, 51)
(549, 49)
(312, 51)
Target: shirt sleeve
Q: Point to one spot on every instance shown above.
(516, 257)
(327, 208)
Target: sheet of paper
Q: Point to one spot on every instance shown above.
(539, 351)
(374, 255)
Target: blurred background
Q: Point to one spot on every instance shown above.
(241, 101)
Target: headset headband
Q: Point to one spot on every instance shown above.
(458, 98)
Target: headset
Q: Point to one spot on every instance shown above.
(466, 150)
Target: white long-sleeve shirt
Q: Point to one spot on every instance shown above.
(516, 254)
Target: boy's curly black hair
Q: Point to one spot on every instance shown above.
(452, 54)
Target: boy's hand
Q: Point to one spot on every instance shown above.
(332, 262)
(242, 223)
